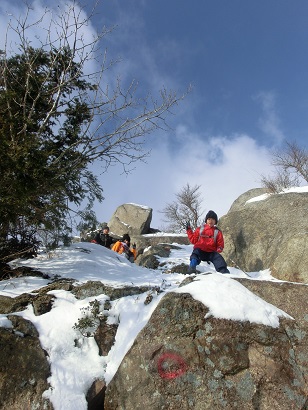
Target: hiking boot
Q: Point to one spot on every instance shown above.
(192, 269)
(193, 265)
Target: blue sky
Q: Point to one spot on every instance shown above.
(248, 64)
(247, 60)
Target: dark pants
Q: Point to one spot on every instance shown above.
(214, 257)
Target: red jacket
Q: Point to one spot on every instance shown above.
(205, 241)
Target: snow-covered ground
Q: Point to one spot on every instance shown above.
(74, 368)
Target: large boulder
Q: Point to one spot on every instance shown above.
(24, 368)
(291, 298)
(132, 219)
(185, 359)
(268, 233)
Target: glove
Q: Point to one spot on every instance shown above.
(125, 246)
(188, 225)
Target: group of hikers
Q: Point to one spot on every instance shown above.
(207, 239)
(118, 245)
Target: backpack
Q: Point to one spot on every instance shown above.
(215, 232)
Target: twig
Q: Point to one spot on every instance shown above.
(13, 255)
(238, 267)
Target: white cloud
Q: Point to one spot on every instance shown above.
(224, 167)
(269, 122)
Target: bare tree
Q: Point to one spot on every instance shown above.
(186, 207)
(291, 163)
(281, 180)
(292, 158)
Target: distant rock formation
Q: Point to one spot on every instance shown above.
(269, 233)
(132, 219)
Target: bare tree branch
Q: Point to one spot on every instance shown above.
(291, 166)
(292, 158)
(187, 207)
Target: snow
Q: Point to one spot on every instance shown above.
(160, 234)
(235, 301)
(284, 191)
(74, 359)
(140, 206)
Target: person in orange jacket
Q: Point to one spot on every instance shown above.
(208, 243)
(123, 246)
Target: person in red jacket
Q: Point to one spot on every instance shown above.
(208, 243)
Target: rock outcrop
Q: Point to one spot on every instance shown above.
(270, 233)
(24, 368)
(144, 241)
(180, 360)
(132, 219)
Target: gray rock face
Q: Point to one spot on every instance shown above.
(23, 367)
(132, 219)
(157, 239)
(240, 202)
(272, 233)
(41, 303)
(180, 360)
(148, 258)
(293, 299)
